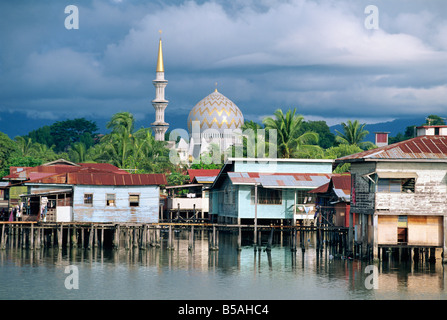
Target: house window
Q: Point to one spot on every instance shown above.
(303, 197)
(266, 196)
(396, 185)
(134, 200)
(88, 198)
(110, 199)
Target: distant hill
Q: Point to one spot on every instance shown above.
(393, 127)
(15, 124)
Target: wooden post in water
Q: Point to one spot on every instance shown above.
(59, 237)
(143, 243)
(191, 238)
(82, 237)
(102, 237)
(32, 237)
(170, 239)
(215, 242)
(269, 243)
(96, 242)
(293, 239)
(90, 238)
(3, 243)
(38, 243)
(239, 239)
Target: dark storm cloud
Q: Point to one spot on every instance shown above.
(316, 56)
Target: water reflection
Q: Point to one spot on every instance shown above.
(198, 272)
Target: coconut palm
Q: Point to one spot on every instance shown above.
(78, 152)
(119, 140)
(290, 143)
(353, 134)
(24, 146)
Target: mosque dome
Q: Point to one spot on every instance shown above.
(216, 111)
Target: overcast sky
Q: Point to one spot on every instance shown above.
(316, 56)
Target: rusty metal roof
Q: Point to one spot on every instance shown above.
(420, 148)
(280, 180)
(46, 170)
(208, 173)
(90, 176)
(340, 184)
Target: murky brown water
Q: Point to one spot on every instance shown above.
(159, 273)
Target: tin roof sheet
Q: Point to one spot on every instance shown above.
(280, 180)
(90, 176)
(422, 147)
(202, 173)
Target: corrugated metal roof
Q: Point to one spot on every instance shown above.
(90, 176)
(423, 147)
(202, 173)
(45, 170)
(280, 180)
(340, 184)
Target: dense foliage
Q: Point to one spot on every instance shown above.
(77, 140)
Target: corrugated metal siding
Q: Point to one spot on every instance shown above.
(146, 212)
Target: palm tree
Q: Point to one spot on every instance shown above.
(290, 143)
(25, 146)
(353, 134)
(78, 152)
(119, 140)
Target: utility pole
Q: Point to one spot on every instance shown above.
(255, 241)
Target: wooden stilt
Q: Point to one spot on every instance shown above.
(32, 237)
(59, 237)
(170, 239)
(96, 241)
(143, 242)
(191, 238)
(239, 239)
(270, 241)
(82, 237)
(90, 238)
(102, 236)
(3, 242)
(38, 240)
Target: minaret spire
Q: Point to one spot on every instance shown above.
(160, 66)
(160, 103)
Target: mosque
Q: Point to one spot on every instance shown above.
(214, 120)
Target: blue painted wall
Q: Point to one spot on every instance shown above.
(243, 208)
(146, 212)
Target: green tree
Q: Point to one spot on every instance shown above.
(176, 179)
(339, 151)
(19, 161)
(7, 149)
(408, 134)
(78, 153)
(291, 143)
(326, 137)
(119, 140)
(24, 146)
(353, 134)
(67, 132)
(434, 120)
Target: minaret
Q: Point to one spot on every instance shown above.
(160, 126)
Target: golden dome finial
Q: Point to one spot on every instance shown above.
(160, 66)
(215, 90)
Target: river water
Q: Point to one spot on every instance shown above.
(225, 274)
